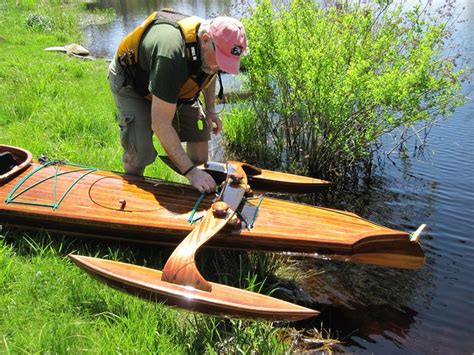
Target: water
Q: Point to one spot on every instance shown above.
(103, 40)
(371, 309)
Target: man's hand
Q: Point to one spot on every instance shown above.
(201, 180)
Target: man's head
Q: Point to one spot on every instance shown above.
(229, 42)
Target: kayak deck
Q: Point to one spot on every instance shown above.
(113, 205)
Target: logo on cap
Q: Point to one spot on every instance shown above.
(236, 50)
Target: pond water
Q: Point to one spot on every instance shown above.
(371, 309)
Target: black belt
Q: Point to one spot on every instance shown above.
(187, 101)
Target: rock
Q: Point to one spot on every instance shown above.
(70, 49)
(289, 290)
(76, 49)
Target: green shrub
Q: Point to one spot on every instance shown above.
(328, 83)
(41, 23)
(242, 138)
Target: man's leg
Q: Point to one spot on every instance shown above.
(133, 170)
(134, 120)
(136, 136)
(198, 152)
(192, 128)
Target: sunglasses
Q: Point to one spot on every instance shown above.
(236, 50)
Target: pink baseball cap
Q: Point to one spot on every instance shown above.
(230, 41)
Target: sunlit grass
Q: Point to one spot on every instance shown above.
(51, 305)
(53, 104)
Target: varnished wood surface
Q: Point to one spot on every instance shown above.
(221, 300)
(157, 211)
(274, 181)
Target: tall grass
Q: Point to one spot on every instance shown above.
(51, 306)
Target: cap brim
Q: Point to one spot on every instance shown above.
(228, 63)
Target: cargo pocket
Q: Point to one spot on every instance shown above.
(116, 82)
(127, 133)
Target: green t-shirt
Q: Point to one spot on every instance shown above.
(162, 61)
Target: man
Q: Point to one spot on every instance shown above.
(158, 72)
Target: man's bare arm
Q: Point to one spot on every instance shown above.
(162, 114)
(211, 115)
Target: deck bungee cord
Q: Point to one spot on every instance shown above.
(257, 207)
(12, 197)
(191, 219)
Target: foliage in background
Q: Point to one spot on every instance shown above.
(243, 141)
(327, 83)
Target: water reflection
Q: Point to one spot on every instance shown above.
(365, 301)
(203, 8)
(365, 324)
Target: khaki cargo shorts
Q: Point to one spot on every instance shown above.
(134, 120)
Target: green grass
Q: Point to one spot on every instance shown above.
(50, 305)
(62, 107)
(53, 104)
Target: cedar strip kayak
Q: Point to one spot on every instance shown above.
(112, 205)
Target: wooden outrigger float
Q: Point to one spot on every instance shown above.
(266, 180)
(85, 201)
